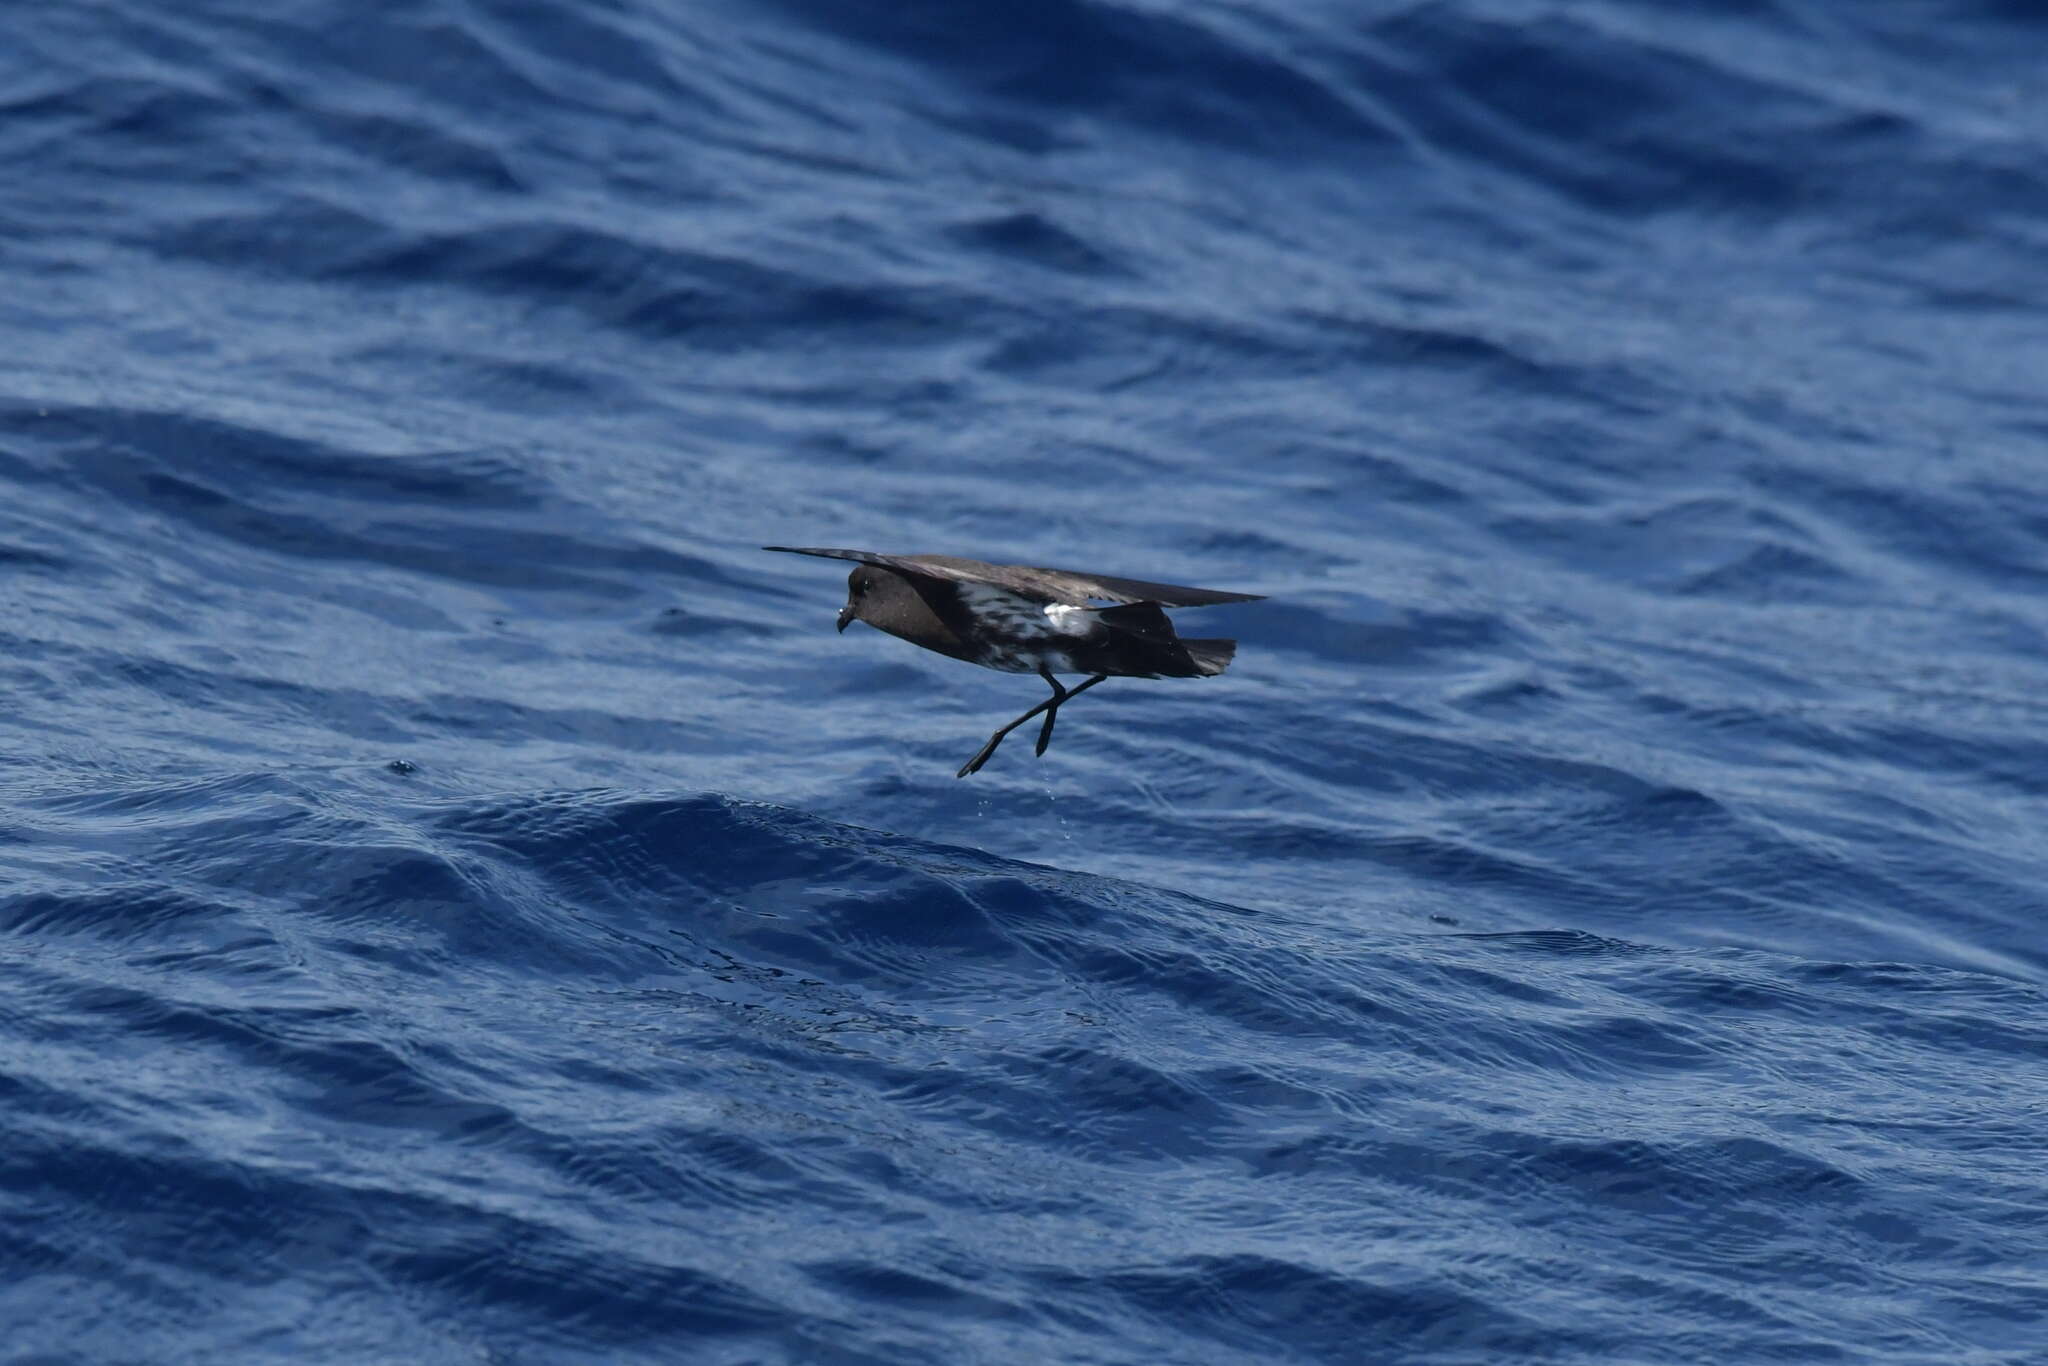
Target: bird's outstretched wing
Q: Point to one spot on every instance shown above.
(1041, 585)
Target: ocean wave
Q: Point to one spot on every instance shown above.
(459, 898)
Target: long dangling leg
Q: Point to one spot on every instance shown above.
(1059, 695)
(1045, 731)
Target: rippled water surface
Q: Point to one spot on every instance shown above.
(460, 901)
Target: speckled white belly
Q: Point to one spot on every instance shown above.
(1024, 635)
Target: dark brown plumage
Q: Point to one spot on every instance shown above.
(1019, 619)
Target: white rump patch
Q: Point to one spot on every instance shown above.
(1072, 621)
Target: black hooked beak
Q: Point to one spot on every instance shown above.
(845, 617)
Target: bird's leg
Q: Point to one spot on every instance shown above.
(1052, 712)
(982, 755)
(1059, 695)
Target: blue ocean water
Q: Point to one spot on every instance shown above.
(461, 902)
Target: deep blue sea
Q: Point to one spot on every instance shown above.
(461, 902)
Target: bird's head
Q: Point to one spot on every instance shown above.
(886, 601)
(863, 595)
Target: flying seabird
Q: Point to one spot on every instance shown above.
(1018, 619)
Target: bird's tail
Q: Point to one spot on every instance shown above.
(1211, 657)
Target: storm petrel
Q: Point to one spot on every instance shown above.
(1021, 620)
